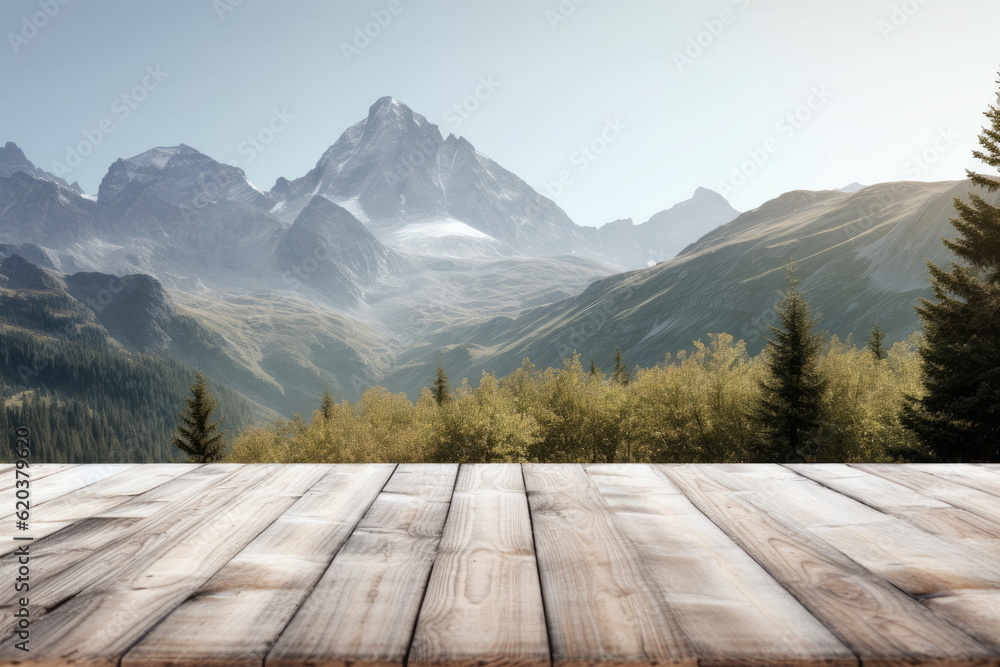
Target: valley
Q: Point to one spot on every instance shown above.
(403, 249)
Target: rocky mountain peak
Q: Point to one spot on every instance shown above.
(13, 160)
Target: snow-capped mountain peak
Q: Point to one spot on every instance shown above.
(178, 175)
(398, 169)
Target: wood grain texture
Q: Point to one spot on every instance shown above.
(601, 602)
(364, 609)
(918, 478)
(154, 573)
(921, 510)
(879, 622)
(967, 474)
(484, 603)
(237, 615)
(730, 609)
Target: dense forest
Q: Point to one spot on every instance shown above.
(92, 401)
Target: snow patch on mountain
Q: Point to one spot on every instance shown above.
(441, 228)
(353, 206)
(447, 238)
(157, 158)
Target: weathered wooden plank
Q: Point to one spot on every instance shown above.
(879, 622)
(915, 477)
(235, 617)
(153, 573)
(363, 610)
(36, 472)
(967, 474)
(601, 603)
(921, 510)
(75, 544)
(88, 501)
(484, 603)
(730, 609)
(68, 480)
(90, 550)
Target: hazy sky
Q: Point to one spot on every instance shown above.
(690, 93)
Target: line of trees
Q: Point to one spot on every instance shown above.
(703, 405)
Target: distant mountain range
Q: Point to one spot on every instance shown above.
(861, 258)
(403, 248)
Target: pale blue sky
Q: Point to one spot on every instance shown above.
(890, 94)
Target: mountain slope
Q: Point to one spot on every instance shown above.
(36, 210)
(861, 258)
(328, 250)
(87, 395)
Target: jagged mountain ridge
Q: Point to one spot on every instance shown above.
(13, 160)
(178, 175)
(395, 168)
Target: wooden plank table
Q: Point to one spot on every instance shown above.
(505, 565)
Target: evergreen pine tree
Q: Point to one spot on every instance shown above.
(876, 343)
(441, 389)
(198, 436)
(789, 416)
(594, 370)
(959, 416)
(326, 404)
(620, 375)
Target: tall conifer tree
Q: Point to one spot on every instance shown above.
(790, 414)
(876, 343)
(442, 388)
(958, 418)
(326, 404)
(621, 374)
(197, 435)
